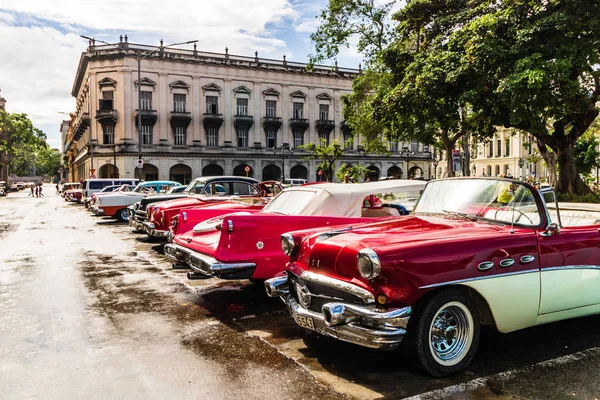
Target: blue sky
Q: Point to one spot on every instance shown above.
(40, 45)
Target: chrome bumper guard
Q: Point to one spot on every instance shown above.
(97, 210)
(208, 266)
(152, 231)
(359, 325)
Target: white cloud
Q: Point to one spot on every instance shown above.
(309, 25)
(40, 45)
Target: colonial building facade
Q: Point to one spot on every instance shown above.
(212, 114)
(511, 154)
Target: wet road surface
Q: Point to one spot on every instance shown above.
(90, 310)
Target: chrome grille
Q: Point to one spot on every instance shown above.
(321, 294)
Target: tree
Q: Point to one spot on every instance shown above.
(356, 173)
(329, 154)
(344, 21)
(531, 65)
(22, 142)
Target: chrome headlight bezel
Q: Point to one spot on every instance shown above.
(288, 245)
(368, 264)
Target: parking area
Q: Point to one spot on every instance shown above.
(88, 306)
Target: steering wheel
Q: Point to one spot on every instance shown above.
(262, 193)
(521, 213)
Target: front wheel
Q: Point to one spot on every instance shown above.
(123, 215)
(446, 333)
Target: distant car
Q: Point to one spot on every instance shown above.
(116, 204)
(20, 185)
(293, 182)
(206, 190)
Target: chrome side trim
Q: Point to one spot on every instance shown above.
(484, 266)
(364, 294)
(529, 271)
(507, 262)
(571, 267)
(527, 259)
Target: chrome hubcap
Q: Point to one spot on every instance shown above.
(451, 333)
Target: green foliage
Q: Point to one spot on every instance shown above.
(329, 154)
(578, 198)
(356, 173)
(344, 21)
(25, 145)
(586, 155)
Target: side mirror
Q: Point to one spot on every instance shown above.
(552, 230)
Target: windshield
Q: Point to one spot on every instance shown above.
(144, 189)
(489, 199)
(289, 202)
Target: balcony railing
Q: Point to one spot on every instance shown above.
(299, 123)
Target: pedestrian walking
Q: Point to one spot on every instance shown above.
(31, 187)
(57, 188)
(40, 194)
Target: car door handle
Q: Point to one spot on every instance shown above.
(507, 262)
(484, 266)
(527, 259)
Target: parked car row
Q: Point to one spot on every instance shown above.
(398, 263)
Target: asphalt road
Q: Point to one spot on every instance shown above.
(90, 310)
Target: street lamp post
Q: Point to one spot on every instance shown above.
(286, 152)
(408, 156)
(435, 164)
(521, 163)
(140, 56)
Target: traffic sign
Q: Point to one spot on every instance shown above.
(92, 173)
(247, 168)
(92, 176)
(140, 163)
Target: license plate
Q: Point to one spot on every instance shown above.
(305, 322)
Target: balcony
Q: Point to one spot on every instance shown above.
(180, 118)
(325, 124)
(148, 117)
(243, 121)
(106, 114)
(212, 120)
(299, 123)
(272, 123)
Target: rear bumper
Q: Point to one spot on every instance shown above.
(151, 230)
(362, 325)
(208, 266)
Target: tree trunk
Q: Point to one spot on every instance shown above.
(550, 161)
(448, 147)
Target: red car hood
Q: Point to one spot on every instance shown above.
(394, 240)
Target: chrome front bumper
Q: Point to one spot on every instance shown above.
(97, 210)
(206, 266)
(361, 325)
(151, 230)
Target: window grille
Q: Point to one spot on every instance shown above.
(212, 137)
(271, 142)
(271, 108)
(298, 139)
(109, 134)
(242, 107)
(298, 110)
(146, 134)
(179, 134)
(179, 102)
(242, 137)
(323, 111)
(146, 98)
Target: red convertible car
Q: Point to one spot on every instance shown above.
(240, 192)
(475, 251)
(248, 246)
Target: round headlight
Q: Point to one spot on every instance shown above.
(287, 244)
(368, 264)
